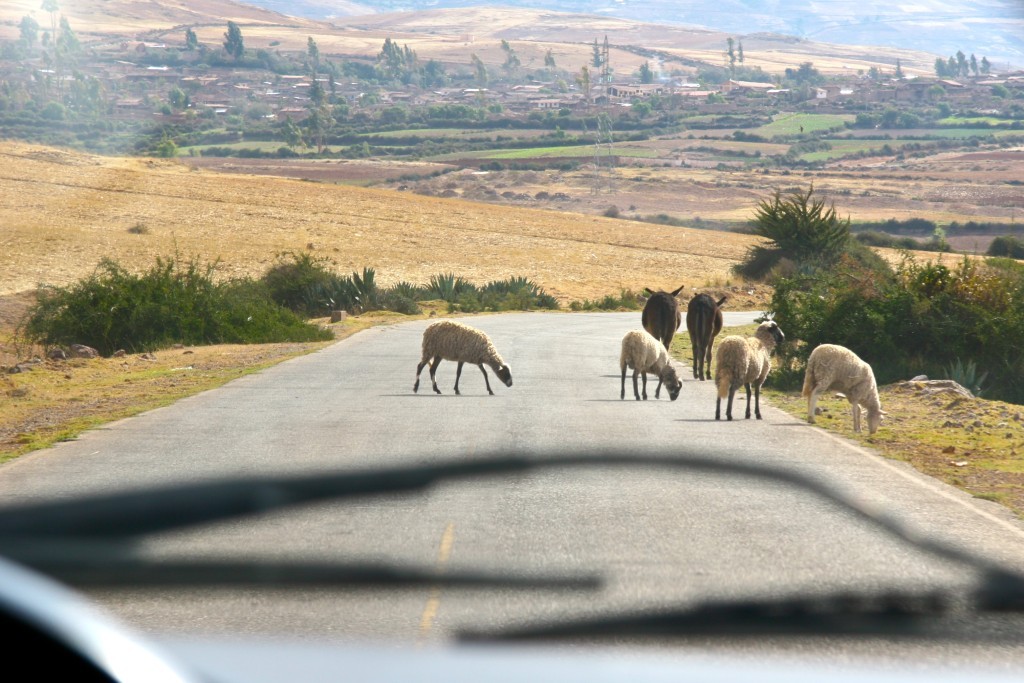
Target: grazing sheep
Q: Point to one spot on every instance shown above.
(644, 354)
(661, 317)
(703, 322)
(744, 361)
(454, 341)
(837, 367)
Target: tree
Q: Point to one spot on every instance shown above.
(962, 69)
(67, 41)
(313, 52)
(799, 228)
(52, 7)
(952, 66)
(595, 59)
(177, 98)
(191, 40)
(233, 43)
(899, 68)
(512, 62)
(317, 95)
(549, 59)
(731, 55)
(291, 133)
(941, 69)
(739, 50)
(646, 74)
(583, 80)
(974, 65)
(479, 71)
(986, 66)
(28, 31)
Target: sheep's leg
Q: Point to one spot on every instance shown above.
(757, 401)
(458, 374)
(732, 395)
(812, 405)
(718, 409)
(644, 376)
(855, 409)
(636, 390)
(419, 369)
(747, 387)
(622, 393)
(433, 371)
(486, 381)
(657, 391)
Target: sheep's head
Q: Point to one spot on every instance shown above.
(504, 373)
(770, 331)
(672, 382)
(874, 419)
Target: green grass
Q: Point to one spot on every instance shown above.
(457, 132)
(580, 151)
(973, 121)
(790, 124)
(842, 148)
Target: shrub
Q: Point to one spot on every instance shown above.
(799, 228)
(1006, 245)
(918, 318)
(627, 299)
(170, 303)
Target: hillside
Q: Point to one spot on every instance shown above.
(995, 27)
(63, 212)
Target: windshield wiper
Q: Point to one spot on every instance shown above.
(55, 537)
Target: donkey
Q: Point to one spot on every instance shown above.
(703, 322)
(661, 317)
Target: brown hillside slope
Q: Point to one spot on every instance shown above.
(62, 212)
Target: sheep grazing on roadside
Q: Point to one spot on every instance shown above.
(454, 341)
(703, 322)
(644, 354)
(743, 361)
(661, 317)
(836, 367)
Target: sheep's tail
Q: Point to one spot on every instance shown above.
(808, 382)
(724, 381)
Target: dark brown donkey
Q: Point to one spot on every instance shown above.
(703, 322)
(661, 317)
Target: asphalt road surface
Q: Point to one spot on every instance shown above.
(661, 538)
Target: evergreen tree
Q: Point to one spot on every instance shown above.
(974, 65)
(549, 59)
(595, 59)
(646, 73)
(940, 67)
(191, 40)
(313, 52)
(233, 42)
(961, 64)
(28, 31)
(986, 66)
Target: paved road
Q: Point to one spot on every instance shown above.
(661, 538)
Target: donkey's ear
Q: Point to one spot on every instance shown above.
(681, 288)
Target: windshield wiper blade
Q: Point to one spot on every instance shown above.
(126, 517)
(238, 572)
(835, 614)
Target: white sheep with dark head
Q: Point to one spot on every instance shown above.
(460, 343)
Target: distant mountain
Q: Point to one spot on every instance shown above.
(992, 28)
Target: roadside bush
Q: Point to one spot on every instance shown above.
(921, 318)
(1006, 245)
(627, 299)
(171, 303)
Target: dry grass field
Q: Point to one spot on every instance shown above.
(63, 212)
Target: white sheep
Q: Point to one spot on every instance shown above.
(837, 367)
(644, 354)
(743, 361)
(454, 341)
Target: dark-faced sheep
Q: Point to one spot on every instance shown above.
(455, 341)
(661, 318)
(644, 354)
(743, 361)
(703, 322)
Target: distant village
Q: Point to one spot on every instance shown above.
(135, 91)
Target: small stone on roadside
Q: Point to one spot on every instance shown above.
(949, 449)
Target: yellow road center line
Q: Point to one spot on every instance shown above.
(434, 598)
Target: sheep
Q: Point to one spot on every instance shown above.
(644, 354)
(703, 322)
(661, 317)
(455, 341)
(836, 367)
(745, 361)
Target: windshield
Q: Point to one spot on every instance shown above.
(247, 245)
